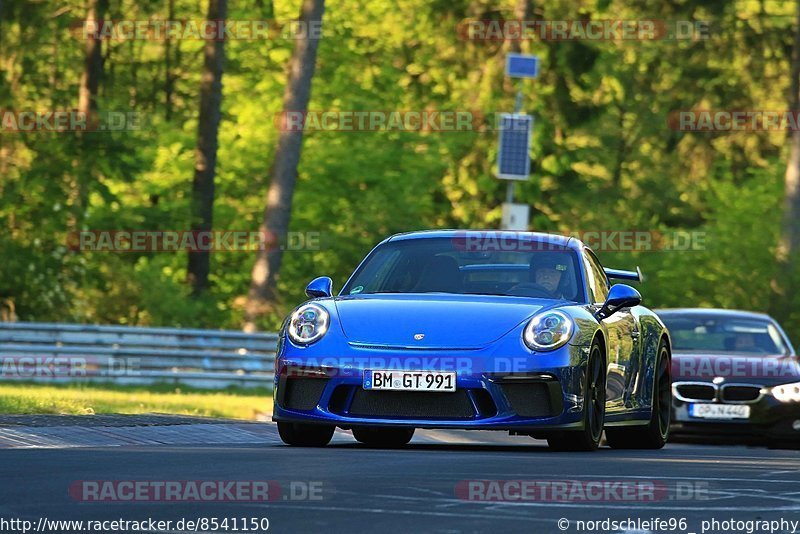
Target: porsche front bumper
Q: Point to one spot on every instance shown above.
(535, 397)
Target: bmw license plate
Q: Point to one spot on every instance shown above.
(719, 411)
(442, 381)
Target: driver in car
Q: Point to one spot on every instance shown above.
(546, 273)
(547, 270)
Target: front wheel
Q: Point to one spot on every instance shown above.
(594, 409)
(383, 437)
(304, 435)
(653, 435)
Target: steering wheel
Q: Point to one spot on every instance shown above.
(531, 289)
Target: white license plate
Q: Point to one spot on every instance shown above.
(719, 411)
(444, 381)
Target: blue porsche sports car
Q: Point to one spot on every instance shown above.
(488, 330)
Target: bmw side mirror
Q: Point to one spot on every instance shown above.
(320, 287)
(619, 296)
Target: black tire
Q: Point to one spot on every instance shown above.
(594, 408)
(304, 435)
(383, 437)
(655, 433)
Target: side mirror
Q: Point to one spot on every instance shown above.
(619, 296)
(320, 287)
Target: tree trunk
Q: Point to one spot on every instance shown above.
(87, 106)
(5, 151)
(262, 295)
(523, 11)
(206, 151)
(93, 62)
(785, 283)
(169, 81)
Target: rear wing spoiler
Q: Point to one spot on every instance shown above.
(617, 274)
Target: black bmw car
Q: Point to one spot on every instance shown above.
(734, 374)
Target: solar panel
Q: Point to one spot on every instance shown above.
(513, 158)
(522, 66)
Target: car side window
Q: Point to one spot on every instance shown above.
(778, 339)
(379, 272)
(596, 278)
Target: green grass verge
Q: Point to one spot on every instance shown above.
(85, 399)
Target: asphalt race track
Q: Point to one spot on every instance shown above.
(424, 487)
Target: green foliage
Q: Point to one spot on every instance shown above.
(604, 156)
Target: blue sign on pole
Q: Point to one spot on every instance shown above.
(522, 66)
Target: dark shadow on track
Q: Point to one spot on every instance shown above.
(485, 447)
(444, 447)
(747, 441)
(710, 439)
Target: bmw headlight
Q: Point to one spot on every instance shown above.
(308, 324)
(548, 331)
(787, 392)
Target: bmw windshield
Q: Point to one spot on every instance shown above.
(444, 265)
(717, 333)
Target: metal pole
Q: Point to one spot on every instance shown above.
(517, 109)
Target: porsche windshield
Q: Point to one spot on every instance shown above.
(444, 265)
(715, 333)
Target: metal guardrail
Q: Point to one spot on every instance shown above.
(48, 352)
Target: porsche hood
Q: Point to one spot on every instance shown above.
(432, 321)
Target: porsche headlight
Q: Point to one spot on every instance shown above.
(308, 324)
(548, 331)
(787, 392)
